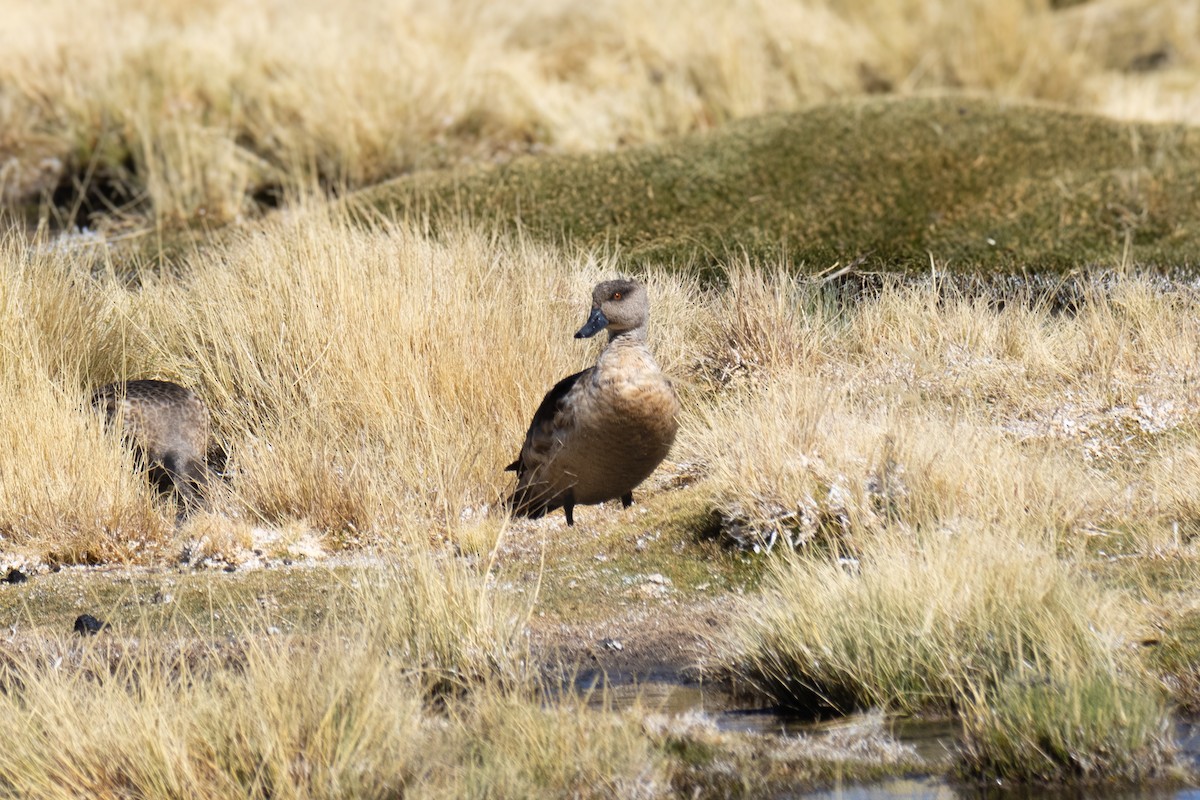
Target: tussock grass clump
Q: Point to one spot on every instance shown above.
(349, 382)
(521, 749)
(763, 322)
(449, 620)
(1031, 653)
(1094, 723)
(69, 492)
(916, 618)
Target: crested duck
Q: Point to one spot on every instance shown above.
(600, 432)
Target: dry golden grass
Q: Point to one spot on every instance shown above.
(927, 409)
(290, 722)
(345, 711)
(195, 106)
(362, 380)
(60, 471)
(359, 380)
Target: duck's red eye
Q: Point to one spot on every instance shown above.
(616, 295)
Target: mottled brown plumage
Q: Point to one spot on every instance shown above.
(600, 432)
(167, 425)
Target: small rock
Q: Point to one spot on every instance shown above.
(16, 576)
(87, 625)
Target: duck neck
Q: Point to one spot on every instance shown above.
(631, 336)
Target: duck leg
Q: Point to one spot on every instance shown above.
(627, 500)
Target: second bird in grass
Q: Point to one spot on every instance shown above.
(600, 432)
(167, 425)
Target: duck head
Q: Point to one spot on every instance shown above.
(620, 306)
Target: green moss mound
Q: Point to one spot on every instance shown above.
(978, 184)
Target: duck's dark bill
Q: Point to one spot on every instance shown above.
(595, 323)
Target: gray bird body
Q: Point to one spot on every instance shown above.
(168, 427)
(599, 433)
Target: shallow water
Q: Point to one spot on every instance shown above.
(933, 740)
(935, 789)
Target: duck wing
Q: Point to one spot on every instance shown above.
(548, 420)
